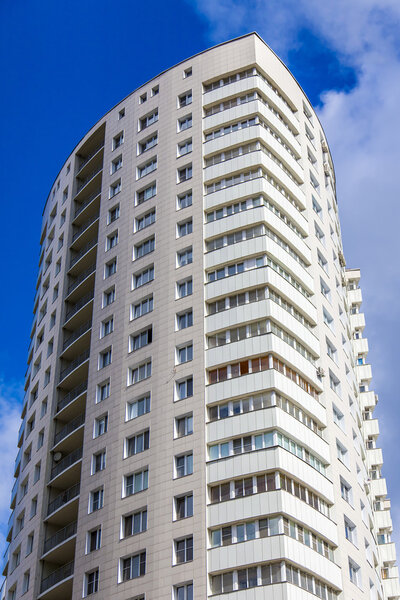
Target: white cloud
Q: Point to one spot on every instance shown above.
(10, 420)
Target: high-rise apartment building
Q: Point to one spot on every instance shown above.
(198, 420)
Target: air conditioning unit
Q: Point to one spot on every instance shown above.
(324, 146)
(327, 169)
(320, 372)
(57, 456)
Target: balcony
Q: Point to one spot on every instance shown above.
(83, 252)
(68, 469)
(76, 392)
(67, 431)
(387, 552)
(58, 584)
(85, 228)
(75, 364)
(6, 558)
(371, 428)
(86, 160)
(83, 276)
(75, 308)
(82, 183)
(14, 494)
(17, 463)
(78, 334)
(61, 544)
(62, 500)
(88, 201)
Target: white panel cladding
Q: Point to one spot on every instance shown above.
(259, 382)
(258, 246)
(245, 85)
(247, 134)
(274, 548)
(268, 418)
(277, 591)
(255, 188)
(257, 277)
(260, 345)
(251, 161)
(269, 460)
(255, 311)
(271, 503)
(261, 214)
(383, 519)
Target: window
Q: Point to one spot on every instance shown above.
(323, 263)
(143, 277)
(46, 379)
(146, 193)
(92, 582)
(36, 472)
(105, 358)
(144, 248)
(184, 173)
(155, 90)
(141, 339)
(183, 550)
(133, 566)
(34, 504)
(139, 373)
(316, 207)
(103, 391)
(137, 443)
(184, 257)
(148, 143)
(111, 240)
(334, 383)
(52, 319)
(20, 522)
(93, 540)
(346, 491)
(98, 461)
(331, 350)
(184, 200)
(338, 417)
(184, 320)
(116, 164)
(184, 388)
(113, 214)
(185, 123)
(143, 98)
(25, 582)
(134, 523)
(96, 499)
(143, 307)
(184, 288)
(183, 465)
(100, 426)
(185, 228)
(145, 220)
(118, 140)
(147, 168)
(110, 268)
(184, 354)
(108, 297)
(183, 506)
(138, 407)
(183, 592)
(43, 408)
(342, 453)
(29, 543)
(325, 290)
(121, 114)
(115, 188)
(187, 73)
(136, 482)
(58, 266)
(148, 119)
(354, 573)
(328, 320)
(185, 147)
(107, 327)
(183, 426)
(16, 558)
(40, 439)
(60, 242)
(185, 99)
(350, 531)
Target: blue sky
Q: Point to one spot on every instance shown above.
(65, 63)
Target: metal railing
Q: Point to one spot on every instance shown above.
(82, 252)
(74, 364)
(74, 284)
(78, 305)
(88, 157)
(69, 428)
(60, 536)
(66, 462)
(84, 226)
(63, 498)
(86, 202)
(77, 334)
(82, 182)
(57, 576)
(71, 395)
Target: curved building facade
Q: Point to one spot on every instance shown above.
(198, 419)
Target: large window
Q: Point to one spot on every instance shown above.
(183, 550)
(139, 373)
(138, 407)
(144, 247)
(134, 523)
(141, 339)
(133, 566)
(143, 277)
(137, 443)
(138, 309)
(184, 288)
(92, 582)
(184, 506)
(183, 465)
(136, 482)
